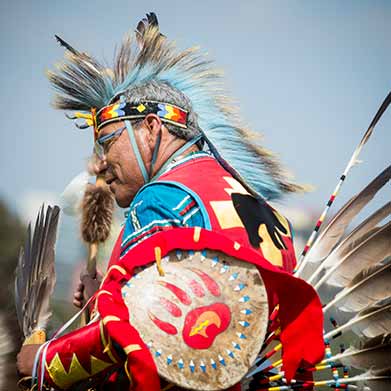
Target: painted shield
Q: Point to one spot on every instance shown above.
(204, 321)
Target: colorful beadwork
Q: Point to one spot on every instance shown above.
(112, 111)
(233, 276)
(244, 299)
(126, 111)
(230, 353)
(171, 113)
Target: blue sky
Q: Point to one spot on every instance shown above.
(309, 75)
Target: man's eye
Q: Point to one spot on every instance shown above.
(107, 143)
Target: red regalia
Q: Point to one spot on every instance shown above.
(229, 235)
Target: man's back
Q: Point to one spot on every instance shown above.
(197, 191)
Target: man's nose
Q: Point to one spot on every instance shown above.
(98, 166)
(101, 166)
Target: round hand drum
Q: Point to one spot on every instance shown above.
(204, 321)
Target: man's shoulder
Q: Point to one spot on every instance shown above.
(160, 193)
(157, 207)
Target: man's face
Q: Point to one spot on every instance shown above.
(119, 167)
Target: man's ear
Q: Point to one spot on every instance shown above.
(154, 125)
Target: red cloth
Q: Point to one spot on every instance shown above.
(300, 311)
(77, 346)
(216, 187)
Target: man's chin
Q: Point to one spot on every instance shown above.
(121, 202)
(123, 197)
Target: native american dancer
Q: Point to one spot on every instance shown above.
(200, 279)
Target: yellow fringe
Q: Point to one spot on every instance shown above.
(158, 257)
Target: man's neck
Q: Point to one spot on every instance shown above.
(166, 154)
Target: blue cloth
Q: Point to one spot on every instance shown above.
(159, 207)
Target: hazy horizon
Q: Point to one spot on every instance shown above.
(308, 75)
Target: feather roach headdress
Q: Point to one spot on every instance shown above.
(147, 58)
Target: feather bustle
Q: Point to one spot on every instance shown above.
(375, 380)
(361, 233)
(333, 232)
(368, 253)
(35, 273)
(374, 354)
(369, 323)
(367, 287)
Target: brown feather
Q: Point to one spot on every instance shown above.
(369, 323)
(97, 213)
(35, 273)
(374, 354)
(367, 287)
(366, 229)
(333, 232)
(368, 253)
(375, 380)
(143, 25)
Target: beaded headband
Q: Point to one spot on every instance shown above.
(127, 111)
